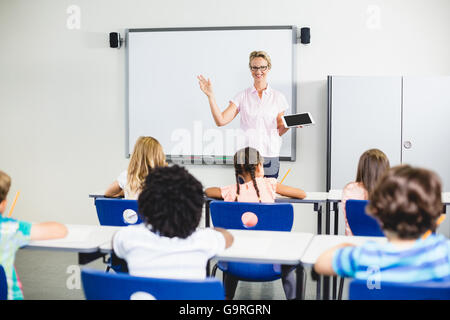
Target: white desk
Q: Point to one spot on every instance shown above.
(289, 248)
(266, 247)
(320, 243)
(84, 239)
(269, 247)
(336, 196)
(446, 198)
(256, 246)
(262, 247)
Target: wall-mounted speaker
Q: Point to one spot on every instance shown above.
(305, 36)
(115, 40)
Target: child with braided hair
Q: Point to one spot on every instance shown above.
(248, 165)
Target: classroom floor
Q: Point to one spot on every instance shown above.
(47, 275)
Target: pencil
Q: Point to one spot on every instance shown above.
(14, 204)
(285, 176)
(438, 222)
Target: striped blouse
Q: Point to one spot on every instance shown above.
(426, 260)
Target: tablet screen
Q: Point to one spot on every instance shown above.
(298, 119)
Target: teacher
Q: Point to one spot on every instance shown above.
(261, 108)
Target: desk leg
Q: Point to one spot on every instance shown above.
(326, 288)
(318, 287)
(207, 224)
(336, 230)
(327, 219)
(207, 213)
(326, 280)
(300, 282)
(318, 209)
(85, 258)
(336, 217)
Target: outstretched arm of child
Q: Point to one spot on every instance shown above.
(47, 231)
(213, 192)
(324, 264)
(227, 235)
(114, 190)
(290, 192)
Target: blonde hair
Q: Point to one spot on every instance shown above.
(147, 154)
(5, 183)
(260, 54)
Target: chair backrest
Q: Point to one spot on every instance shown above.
(3, 284)
(117, 212)
(361, 290)
(359, 221)
(271, 216)
(99, 285)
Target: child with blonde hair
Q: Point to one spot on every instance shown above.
(15, 234)
(147, 155)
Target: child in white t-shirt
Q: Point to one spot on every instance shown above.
(169, 244)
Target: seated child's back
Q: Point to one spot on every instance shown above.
(168, 244)
(15, 234)
(248, 166)
(407, 203)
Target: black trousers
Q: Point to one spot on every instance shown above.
(271, 167)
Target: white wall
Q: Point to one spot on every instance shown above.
(62, 91)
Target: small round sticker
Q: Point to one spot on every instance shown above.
(249, 219)
(130, 216)
(141, 295)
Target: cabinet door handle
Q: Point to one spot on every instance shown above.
(407, 144)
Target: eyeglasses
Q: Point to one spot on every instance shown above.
(262, 68)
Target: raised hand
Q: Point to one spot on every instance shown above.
(205, 85)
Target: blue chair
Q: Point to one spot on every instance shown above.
(361, 224)
(98, 285)
(271, 216)
(359, 290)
(359, 221)
(117, 212)
(3, 284)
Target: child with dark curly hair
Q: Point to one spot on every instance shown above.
(407, 203)
(169, 244)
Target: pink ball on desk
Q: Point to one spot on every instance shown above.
(249, 219)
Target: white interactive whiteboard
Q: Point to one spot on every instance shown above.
(165, 101)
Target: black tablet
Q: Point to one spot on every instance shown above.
(299, 119)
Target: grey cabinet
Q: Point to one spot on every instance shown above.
(405, 117)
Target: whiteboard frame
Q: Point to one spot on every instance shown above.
(201, 159)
